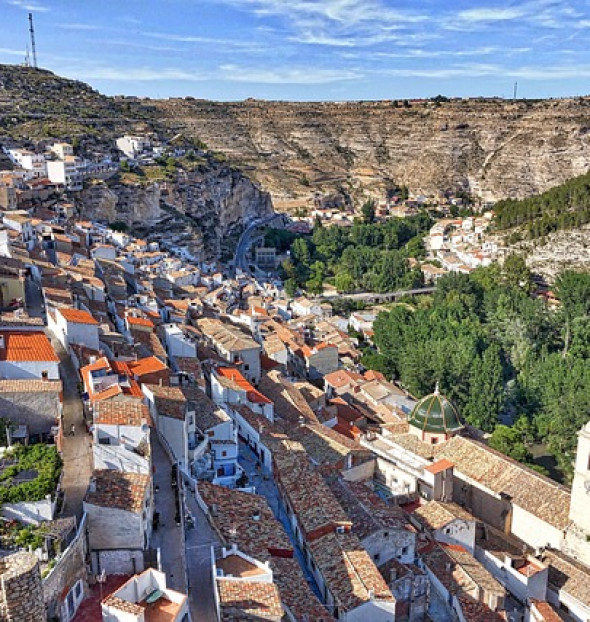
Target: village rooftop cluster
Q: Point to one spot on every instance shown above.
(226, 456)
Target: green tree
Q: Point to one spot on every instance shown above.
(368, 212)
(344, 282)
(486, 392)
(508, 441)
(291, 287)
(516, 272)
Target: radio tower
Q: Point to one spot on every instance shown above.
(33, 49)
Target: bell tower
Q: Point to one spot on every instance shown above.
(580, 502)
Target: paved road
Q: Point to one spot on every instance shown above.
(246, 239)
(168, 537)
(77, 449)
(199, 541)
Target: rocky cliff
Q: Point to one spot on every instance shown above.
(128, 203)
(218, 200)
(492, 148)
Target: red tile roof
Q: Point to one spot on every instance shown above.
(26, 346)
(440, 465)
(78, 316)
(236, 377)
(148, 365)
(139, 321)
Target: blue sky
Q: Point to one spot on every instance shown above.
(308, 49)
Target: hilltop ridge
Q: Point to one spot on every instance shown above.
(491, 148)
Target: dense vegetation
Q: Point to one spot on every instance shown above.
(498, 351)
(562, 207)
(43, 459)
(366, 256)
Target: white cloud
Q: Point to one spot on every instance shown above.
(29, 6)
(10, 52)
(336, 23)
(77, 26)
(286, 75)
(490, 15)
(251, 46)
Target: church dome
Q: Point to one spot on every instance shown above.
(435, 414)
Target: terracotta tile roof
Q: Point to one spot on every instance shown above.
(538, 495)
(367, 511)
(265, 540)
(26, 346)
(170, 401)
(148, 365)
(438, 466)
(309, 496)
(324, 445)
(121, 413)
(290, 404)
(118, 490)
(348, 570)
(237, 382)
(229, 338)
(234, 520)
(474, 569)
(122, 605)
(207, 413)
(568, 576)
(545, 610)
(435, 514)
(78, 316)
(139, 321)
(125, 384)
(295, 591)
(259, 600)
(31, 385)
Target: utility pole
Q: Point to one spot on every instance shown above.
(33, 48)
(515, 89)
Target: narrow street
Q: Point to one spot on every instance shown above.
(76, 449)
(167, 537)
(199, 541)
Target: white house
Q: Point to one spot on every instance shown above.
(74, 326)
(20, 222)
(234, 346)
(228, 386)
(121, 436)
(62, 150)
(145, 597)
(133, 146)
(67, 172)
(119, 509)
(179, 343)
(27, 354)
(33, 163)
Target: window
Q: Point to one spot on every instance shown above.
(376, 557)
(405, 550)
(386, 534)
(223, 453)
(447, 530)
(104, 440)
(588, 467)
(246, 367)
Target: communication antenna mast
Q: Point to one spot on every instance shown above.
(27, 57)
(33, 48)
(515, 89)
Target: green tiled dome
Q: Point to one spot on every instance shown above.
(435, 414)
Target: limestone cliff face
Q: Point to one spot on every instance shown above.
(120, 202)
(493, 148)
(218, 200)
